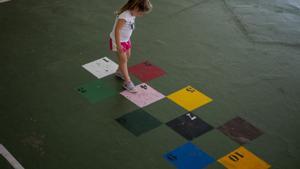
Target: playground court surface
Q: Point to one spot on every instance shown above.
(218, 81)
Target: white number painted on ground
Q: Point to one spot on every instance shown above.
(191, 117)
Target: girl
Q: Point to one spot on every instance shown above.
(120, 36)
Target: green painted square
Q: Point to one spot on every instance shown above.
(138, 122)
(96, 90)
(165, 110)
(4, 164)
(221, 144)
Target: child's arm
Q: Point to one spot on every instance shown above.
(119, 25)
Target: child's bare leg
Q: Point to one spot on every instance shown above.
(117, 54)
(128, 53)
(123, 60)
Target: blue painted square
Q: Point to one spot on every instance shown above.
(188, 156)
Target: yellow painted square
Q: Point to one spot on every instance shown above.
(189, 98)
(241, 158)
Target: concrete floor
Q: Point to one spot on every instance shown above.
(242, 53)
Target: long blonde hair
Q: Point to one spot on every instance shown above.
(141, 5)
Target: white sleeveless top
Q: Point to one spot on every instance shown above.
(127, 29)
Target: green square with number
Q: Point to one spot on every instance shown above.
(96, 91)
(138, 122)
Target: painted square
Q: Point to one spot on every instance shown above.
(138, 122)
(188, 156)
(240, 130)
(96, 91)
(189, 98)
(145, 95)
(146, 71)
(101, 67)
(189, 126)
(241, 158)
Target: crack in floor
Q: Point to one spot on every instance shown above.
(244, 30)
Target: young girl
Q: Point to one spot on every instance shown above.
(120, 36)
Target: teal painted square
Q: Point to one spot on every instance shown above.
(96, 91)
(138, 122)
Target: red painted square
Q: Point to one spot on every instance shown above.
(146, 71)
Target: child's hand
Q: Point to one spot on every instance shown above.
(120, 49)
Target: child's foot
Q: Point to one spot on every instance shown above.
(129, 86)
(119, 75)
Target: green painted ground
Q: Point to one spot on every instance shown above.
(242, 53)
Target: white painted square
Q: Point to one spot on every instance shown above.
(101, 67)
(145, 95)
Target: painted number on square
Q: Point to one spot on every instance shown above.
(241, 158)
(189, 98)
(145, 95)
(101, 67)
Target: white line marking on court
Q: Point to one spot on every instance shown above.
(10, 158)
(2, 1)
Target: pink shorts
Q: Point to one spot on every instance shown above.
(125, 45)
